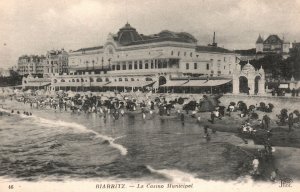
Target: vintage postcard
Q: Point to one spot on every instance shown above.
(149, 95)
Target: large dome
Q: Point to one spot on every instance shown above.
(128, 34)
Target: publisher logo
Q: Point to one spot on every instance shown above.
(286, 182)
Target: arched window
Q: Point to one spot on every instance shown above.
(191, 54)
(73, 80)
(99, 79)
(172, 52)
(62, 80)
(77, 80)
(82, 80)
(91, 79)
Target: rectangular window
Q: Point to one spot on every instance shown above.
(187, 66)
(207, 66)
(124, 67)
(118, 67)
(152, 64)
(195, 65)
(135, 65)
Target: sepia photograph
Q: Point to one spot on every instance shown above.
(149, 95)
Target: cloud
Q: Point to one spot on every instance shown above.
(35, 26)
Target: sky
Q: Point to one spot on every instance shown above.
(35, 26)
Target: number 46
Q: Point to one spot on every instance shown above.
(10, 186)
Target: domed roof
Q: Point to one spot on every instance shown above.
(128, 34)
(248, 67)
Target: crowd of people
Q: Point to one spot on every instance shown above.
(119, 105)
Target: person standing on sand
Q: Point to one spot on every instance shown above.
(255, 164)
(205, 129)
(274, 174)
(212, 116)
(266, 121)
(182, 118)
(291, 121)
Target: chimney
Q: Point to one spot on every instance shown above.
(214, 40)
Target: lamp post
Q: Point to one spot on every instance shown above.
(109, 63)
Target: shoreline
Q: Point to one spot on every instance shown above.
(233, 129)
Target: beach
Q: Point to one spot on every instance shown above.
(55, 145)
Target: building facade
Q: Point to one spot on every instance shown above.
(273, 44)
(130, 61)
(32, 64)
(56, 62)
(129, 58)
(4, 72)
(129, 52)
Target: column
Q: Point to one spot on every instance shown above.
(261, 87)
(251, 85)
(235, 86)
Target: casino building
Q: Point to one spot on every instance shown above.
(166, 61)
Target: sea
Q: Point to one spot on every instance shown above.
(60, 145)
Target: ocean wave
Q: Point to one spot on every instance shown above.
(174, 175)
(75, 126)
(82, 129)
(177, 176)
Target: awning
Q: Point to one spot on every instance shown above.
(37, 84)
(129, 84)
(212, 83)
(194, 83)
(174, 83)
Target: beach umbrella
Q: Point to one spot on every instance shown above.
(209, 103)
(29, 91)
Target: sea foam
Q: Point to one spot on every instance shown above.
(75, 126)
